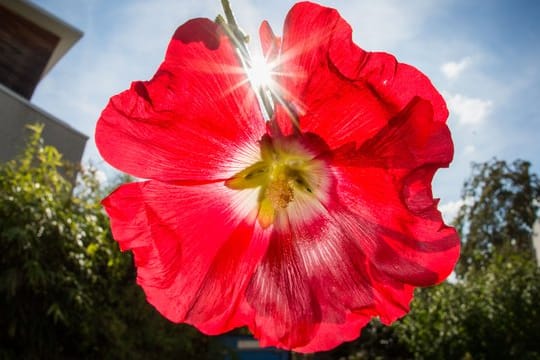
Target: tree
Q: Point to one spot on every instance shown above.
(498, 214)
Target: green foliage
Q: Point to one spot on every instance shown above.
(66, 291)
(500, 208)
(492, 314)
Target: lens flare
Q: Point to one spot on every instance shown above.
(260, 73)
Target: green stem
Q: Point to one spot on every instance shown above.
(267, 103)
(267, 99)
(239, 40)
(228, 13)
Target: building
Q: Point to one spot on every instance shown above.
(245, 347)
(32, 41)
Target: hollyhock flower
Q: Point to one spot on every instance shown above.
(302, 228)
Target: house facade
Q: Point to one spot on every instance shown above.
(32, 41)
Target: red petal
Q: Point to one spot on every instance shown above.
(410, 140)
(337, 110)
(194, 249)
(404, 234)
(270, 43)
(330, 335)
(341, 92)
(393, 297)
(312, 281)
(196, 111)
(398, 83)
(385, 189)
(301, 55)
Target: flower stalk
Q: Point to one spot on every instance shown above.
(240, 41)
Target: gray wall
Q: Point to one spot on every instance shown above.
(16, 112)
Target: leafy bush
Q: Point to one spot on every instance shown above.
(491, 314)
(65, 289)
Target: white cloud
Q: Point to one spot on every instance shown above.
(450, 209)
(453, 69)
(469, 111)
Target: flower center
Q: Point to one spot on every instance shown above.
(280, 193)
(286, 172)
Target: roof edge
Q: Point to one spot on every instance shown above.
(67, 33)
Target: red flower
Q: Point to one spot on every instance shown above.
(301, 234)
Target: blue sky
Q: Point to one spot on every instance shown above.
(483, 55)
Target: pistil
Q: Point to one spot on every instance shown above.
(280, 192)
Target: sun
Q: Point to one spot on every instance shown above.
(260, 73)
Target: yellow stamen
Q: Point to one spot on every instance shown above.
(279, 192)
(284, 168)
(266, 213)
